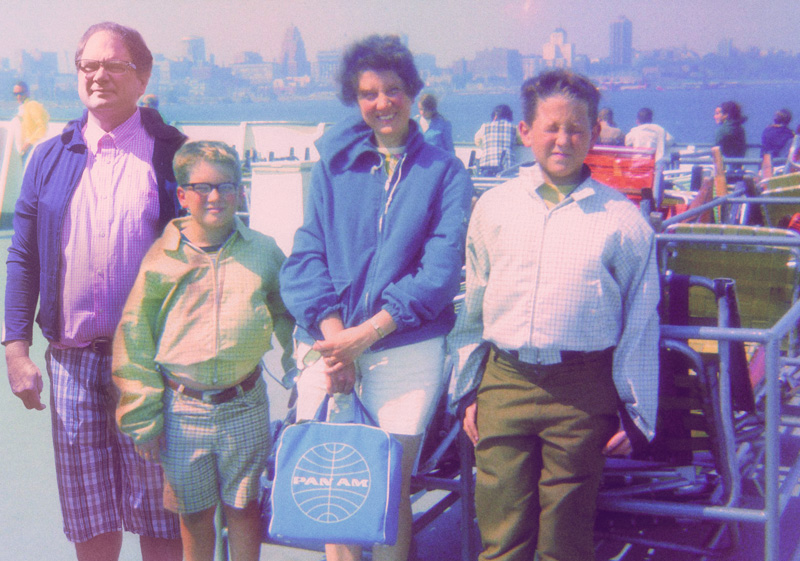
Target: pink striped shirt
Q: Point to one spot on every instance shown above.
(111, 223)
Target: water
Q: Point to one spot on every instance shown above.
(687, 114)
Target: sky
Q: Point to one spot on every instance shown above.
(448, 29)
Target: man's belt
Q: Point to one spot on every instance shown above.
(218, 396)
(102, 346)
(566, 356)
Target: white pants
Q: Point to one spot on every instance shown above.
(399, 387)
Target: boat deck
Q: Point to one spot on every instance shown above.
(30, 521)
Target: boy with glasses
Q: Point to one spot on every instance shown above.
(187, 353)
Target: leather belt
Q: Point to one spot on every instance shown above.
(566, 356)
(218, 396)
(102, 346)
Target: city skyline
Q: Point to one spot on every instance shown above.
(231, 27)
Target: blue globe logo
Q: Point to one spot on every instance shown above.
(331, 482)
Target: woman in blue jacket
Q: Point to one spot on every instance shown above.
(377, 262)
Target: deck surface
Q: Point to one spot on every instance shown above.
(30, 517)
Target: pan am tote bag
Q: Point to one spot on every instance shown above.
(336, 483)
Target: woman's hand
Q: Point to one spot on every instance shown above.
(343, 348)
(342, 380)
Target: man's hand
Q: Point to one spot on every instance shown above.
(470, 422)
(150, 450)
(619, 445)
(23, 375)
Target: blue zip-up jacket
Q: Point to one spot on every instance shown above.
(370, 242)
(440, 133)
(55, 169)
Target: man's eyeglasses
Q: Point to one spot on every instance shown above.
(206, 188)
(118, 67)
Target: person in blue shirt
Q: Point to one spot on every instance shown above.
(377, 262)
(777, 137)
(435, 128)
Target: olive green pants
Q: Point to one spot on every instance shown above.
(542, 431)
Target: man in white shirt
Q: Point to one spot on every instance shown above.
(558, 326)
(647, 134)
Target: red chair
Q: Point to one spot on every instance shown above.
(628, 170)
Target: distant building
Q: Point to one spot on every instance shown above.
(557, 53)
(247, 57)
(37, 62)
(581, 63)
(531, 66)
(621, 43)
(324, 71)
(39, 69)
(426, 64)
(459, 72)
(725, 47)
(497, 65)
(194, 50)
(293, 54)
(256, 73)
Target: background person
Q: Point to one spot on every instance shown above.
(148, 100)
(496, 139)
(559, 323)
(33, 119)
(609, 133)
(435, 128)
(198, 407)
(647, 134)
(730, 135)
(377, 262)
(777, 137)
(93, 199)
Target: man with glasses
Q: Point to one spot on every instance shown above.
(33, 119)
(93, 200)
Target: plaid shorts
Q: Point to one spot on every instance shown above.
(215, 451)
(103, 484)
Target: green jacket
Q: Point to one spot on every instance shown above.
(205, 320)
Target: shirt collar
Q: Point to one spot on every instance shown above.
(532, 179)
(172, 233)
(122, 135)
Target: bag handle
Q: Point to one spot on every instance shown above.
(360, 414)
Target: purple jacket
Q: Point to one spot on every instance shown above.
(54, 171)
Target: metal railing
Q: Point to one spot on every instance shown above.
(776, 493)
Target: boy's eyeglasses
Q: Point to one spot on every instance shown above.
(118, 67)
(206, 188)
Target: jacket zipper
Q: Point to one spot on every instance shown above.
(389, 188)
(215, 266)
